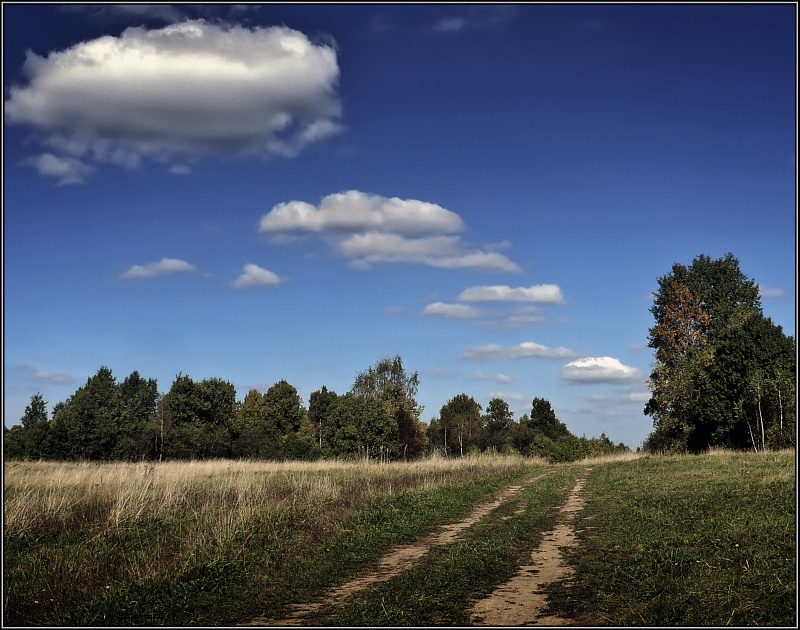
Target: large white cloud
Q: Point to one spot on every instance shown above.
(542, 293)
(179, 92)
(525, 350)
(163, 267)
(599, 370)
(355, 211)
(370, 229)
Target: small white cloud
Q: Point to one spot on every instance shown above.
(42, 376)
(500, 378)
(636, 397)
(598, 370)
(180, 169)
(254, 276)
(458, 311)
(513, 397)
(473, 17)
(525, 350)
(449, 25)
(541, 293)
(161, 268)
(769, 292)
(55, 378)
(67, 170)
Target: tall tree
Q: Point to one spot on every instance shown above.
(318, 408)
(543, 419)
(90, 418)
(498, 423)
(459, 423)
(137, 412)
(256, 434)
(360, 425)
(284, 407)
(388, 382)
(715, 355)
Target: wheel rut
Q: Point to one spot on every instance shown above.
(400, 559)
(522, 600)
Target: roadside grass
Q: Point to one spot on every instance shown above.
(686, 540)
(214, 542)
(443, 586)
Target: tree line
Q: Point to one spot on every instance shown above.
(724, 374)
(378, 418)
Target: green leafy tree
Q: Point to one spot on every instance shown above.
(497, 424)
(543, 419)
(716, 357)
(257, 435)
(459, 424)
(284, 407)
(184, 408)
(319, 404)
(137, 411)
(361, 426)
(388, 382)
(90, 418)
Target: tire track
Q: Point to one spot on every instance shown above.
(521, 600)
(395, 562)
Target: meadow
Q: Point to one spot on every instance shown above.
(694, 540)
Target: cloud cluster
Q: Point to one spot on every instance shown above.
(524, 350)
(599, 370)
(371, 229)
(175, 94)
(541, 294)
(163, 267)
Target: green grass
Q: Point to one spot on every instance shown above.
(704, 540)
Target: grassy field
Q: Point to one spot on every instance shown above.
(705, 540)
(682, 541)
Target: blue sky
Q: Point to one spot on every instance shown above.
(296, 192)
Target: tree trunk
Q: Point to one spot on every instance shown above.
(761, 419)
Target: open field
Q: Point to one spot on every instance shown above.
(673, 540)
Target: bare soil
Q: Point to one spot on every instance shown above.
(521, 601)
(400, 559)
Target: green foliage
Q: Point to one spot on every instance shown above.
(458, 425)
(318, 407)
(723, 370)
(361, 426)
(388, 382)
(131, 421)
(284, 407)
(256, 435)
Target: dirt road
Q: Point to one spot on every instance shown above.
(521, 600)
(400, 559)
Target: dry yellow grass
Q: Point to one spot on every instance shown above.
(51, 495)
